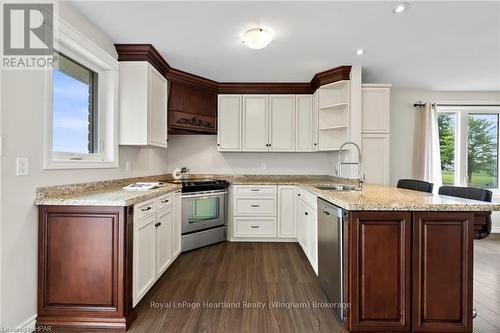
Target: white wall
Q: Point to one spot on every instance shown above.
(200, 154)
(403, 123)
(22, 134)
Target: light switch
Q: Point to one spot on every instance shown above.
(22, 168)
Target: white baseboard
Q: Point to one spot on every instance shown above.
(27, 324)
(495, 230)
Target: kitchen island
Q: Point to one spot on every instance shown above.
(408, 255)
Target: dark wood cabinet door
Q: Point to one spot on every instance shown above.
(84, 267)
(379, 271)
(442, 271)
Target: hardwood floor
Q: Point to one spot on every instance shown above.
(236, 273)
(487, 284)
(264, 272)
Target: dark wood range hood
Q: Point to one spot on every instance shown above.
(192, 99)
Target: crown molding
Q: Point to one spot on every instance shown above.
(265, 88)
(330, 76)
(147, 52)
(142, 52)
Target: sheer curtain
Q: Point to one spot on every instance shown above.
(428, 161)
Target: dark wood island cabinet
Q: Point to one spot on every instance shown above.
(85, 267)
(410, 271)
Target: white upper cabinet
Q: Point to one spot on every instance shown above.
(282, 122)
(143, 106)
(375, 108)
(304, 123)
(255, 123)
(158, 110)
(229, 122)
(315, 121)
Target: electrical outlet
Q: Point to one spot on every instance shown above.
(22, 167)
(263, 165)
(127, 166)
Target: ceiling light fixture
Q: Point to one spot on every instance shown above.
(360, 52)
(257, 38)
(400, 8)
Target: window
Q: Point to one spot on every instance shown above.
(468, 139)
(74, 109)
(80, 113)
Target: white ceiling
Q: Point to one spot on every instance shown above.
(434, 45)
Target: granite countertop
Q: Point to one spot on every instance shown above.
(107, 197)
(382, 198)
(110, 193)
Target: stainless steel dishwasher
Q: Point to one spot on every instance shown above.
(331, 253)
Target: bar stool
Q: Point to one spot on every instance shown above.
(415, 185)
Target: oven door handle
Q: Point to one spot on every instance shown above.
(204, 195)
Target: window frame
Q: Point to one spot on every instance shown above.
(462, 112)
(73, 45)
(94, 121)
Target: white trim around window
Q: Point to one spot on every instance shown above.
(79, 48)
(462, 110)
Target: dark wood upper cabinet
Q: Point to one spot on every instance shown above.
(191, 109)
(379, 271)
(192, 102)
(442, 272)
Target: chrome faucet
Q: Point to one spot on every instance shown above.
(338, 166)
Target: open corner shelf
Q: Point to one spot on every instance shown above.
(334, 106)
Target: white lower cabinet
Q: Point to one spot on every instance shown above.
(312, 238)
(255, 226)
(300, 211)
(156, 244)
(144, 254)
(286, 211)
(163, 240)
(307, 228)
(254, 212)
(177, 224)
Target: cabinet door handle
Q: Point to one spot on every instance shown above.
(146, 209)
(306, 213)
(165, 201)
(254, 206)
(298, 194)
(255, 226)
(157, 224)
(255, 190)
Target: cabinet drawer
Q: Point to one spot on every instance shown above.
(256, 227)
(144, 209)
(256, 206)
(164, 201)
(309, 198)
(255, 190)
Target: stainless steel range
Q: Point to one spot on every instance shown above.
(203, 212)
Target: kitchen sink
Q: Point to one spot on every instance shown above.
(336, 187)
